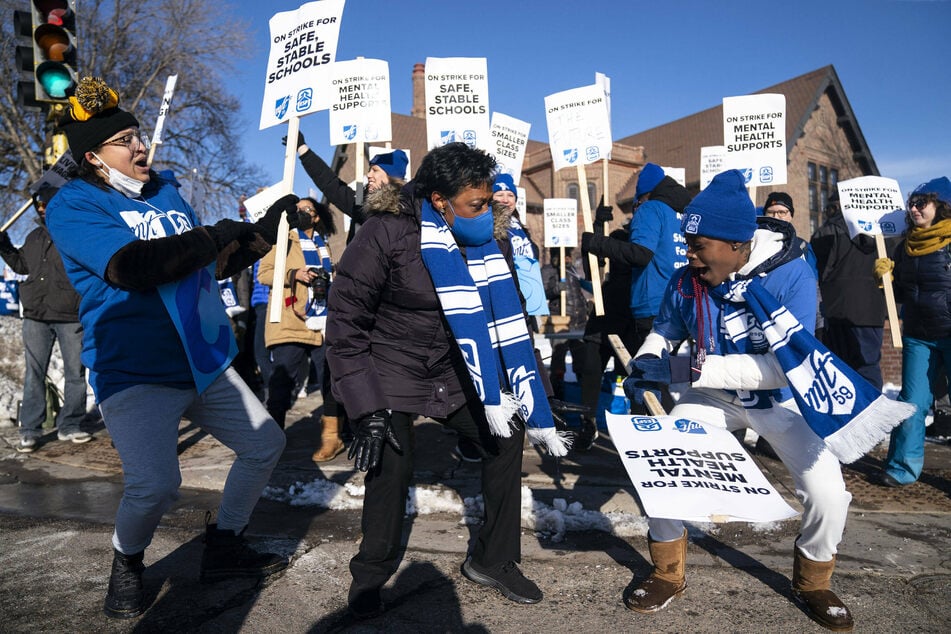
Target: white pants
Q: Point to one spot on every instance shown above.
(143, 421)
(815, 471)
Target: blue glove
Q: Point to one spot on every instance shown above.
(665, 370)
(635, 389)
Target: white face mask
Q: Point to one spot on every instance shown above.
(125, 185)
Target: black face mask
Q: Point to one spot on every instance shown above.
(304, 221)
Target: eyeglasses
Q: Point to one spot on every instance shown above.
(127, 139)
(778, 213)
(309, 210)
(918, 201)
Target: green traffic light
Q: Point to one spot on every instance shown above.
(55, 79)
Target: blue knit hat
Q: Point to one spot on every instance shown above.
(723, 210)
(651, 175)
(505, 183)
(393, 163)
(940, 187)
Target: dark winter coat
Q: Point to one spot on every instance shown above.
(923, 287)
(337, 192)
(46, 294)
(845, 266)
(389, 345)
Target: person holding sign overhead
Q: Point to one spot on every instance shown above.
(922, 264)
(146, 270)
(737, 381)
(425, 318)
(386, 175)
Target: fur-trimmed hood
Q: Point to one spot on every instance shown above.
(384, 200)
(502, 217)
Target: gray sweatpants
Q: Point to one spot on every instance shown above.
(143, 421)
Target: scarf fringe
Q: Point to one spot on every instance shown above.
(554, 442)
(868, 428)
(500, 416)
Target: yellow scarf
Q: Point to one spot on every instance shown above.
(925, 240)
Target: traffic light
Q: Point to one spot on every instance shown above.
(54, 49)
(26, 89)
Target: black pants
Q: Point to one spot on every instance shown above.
(598, 350)
(387, 487)
(289, 368)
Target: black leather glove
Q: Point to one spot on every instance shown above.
(370, 432)
(227, 231)
(272, 217)
(586, 239)
(5, 243)
(300, 140)
(603, 214)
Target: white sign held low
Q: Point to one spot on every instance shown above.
(683, 469)
(712, 160)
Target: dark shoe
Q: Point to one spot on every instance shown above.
(228, 555)
(366, 605)
(467, 451)
(654, 594)
(124, 597)
(506, 578)
(27, 445)
(885, 479)
(586, 437)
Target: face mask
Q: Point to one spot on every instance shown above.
(125, 185)
(304, 221)
(472, 232)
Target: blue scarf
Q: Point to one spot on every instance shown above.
(316, 255)
(481, 305)
(841, 407)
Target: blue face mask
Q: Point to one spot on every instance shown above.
(472, 232)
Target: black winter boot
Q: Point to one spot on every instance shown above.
(124, 598)
(228, 555)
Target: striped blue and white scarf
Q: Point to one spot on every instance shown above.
(840, 406)
(316, 255)
(481, 304)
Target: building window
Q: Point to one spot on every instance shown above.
(592, 193)
(822, 183)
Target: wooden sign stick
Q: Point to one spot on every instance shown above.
(589, 228)
(280, 254)
(889, 294)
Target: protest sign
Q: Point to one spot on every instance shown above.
(712, 160)
(360, 102)
(509, 139)
(754, 134)
(163, 112)
(579, 131)
(679, 174)
(521, 206)
(687, 470)
(303, 48)
(561, 222)
(259, 203)
(457, 102)
(873, 205)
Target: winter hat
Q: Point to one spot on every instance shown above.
(44, 195)
(940, 187)
(651, 175)
(393, 163)
(93, 116)
(723, 210)
(505, 183)
(780, 198)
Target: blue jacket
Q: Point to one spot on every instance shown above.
(923, 286)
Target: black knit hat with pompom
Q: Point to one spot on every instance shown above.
(93, 116)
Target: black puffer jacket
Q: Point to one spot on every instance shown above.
(46, 294)
(849, 289)
(923, 287)
(388, 343)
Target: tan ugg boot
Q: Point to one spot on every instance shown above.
(811, 585)
(667, 579)
(330, 443)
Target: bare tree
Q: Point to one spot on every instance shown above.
(135, 46)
